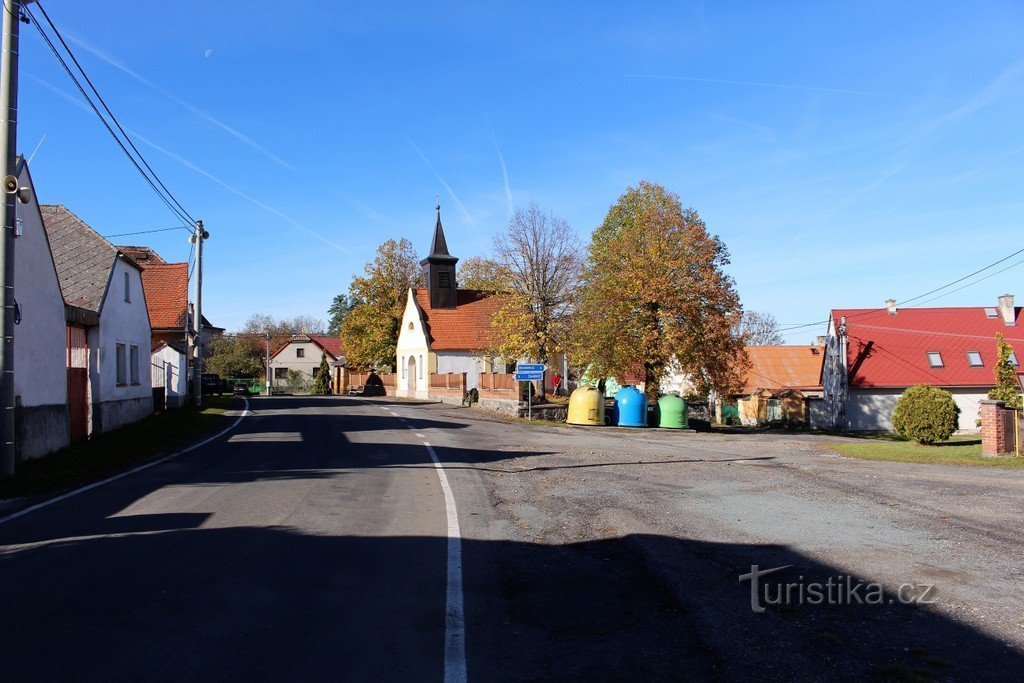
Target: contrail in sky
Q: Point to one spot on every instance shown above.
(784, 86)
(189, 165)
(504, 172)
(451, 193)
(195, 110)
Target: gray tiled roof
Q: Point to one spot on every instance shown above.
(83, 258)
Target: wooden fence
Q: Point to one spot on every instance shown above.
(355, 382)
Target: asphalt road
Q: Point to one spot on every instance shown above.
(314, 542)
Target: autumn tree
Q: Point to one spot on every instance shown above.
(760, 329)
(1007, 385)
(236, 356)
(655, 297)
(371, 329)
(538, 260)
(482, 273)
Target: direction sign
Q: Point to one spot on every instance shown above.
(530, 367)
(529, 376)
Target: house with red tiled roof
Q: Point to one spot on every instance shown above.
(302, 353)
(444, 329)
(166, 287)
(780, 384)
(873, 355)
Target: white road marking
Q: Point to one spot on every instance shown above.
(97, 484)
(454, 617)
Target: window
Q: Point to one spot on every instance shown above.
(1013, 359)
(133, 363)
(280, 373)
(991, 313)
(401, 367)
(122, 365)
(974, 358)
(421, 367)
(127, 288)
(300, 352)
(935, 359)
(444, 279)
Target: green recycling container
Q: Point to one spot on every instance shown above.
(671, 412)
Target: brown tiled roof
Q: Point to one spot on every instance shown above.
(166, 286)
(144, 256)
(467, 327)
(784, 367)
(82, 257)
(332, 345)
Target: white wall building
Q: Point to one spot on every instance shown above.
(169, 369)
(40, 337)
(303, 353)
(104, 296)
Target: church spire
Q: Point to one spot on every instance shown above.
(439, 269)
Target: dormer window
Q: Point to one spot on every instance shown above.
(991, 312)
(974, 358)
(935, 359)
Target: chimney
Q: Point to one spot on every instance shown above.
(891, 305)
(1007, 311)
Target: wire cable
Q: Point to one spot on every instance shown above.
(145, 232)
(167, 199)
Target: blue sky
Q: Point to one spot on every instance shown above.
(845, 152)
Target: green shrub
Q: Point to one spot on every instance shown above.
(925, 414)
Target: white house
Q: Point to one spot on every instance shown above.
(303, 353)
(109, 328)
(40, 337)
(873, 355)
(444, 329)
(169, 369)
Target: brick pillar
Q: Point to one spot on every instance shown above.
(996, 428)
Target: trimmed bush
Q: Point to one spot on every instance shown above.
(925, 414)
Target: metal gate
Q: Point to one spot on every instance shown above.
(78, 383)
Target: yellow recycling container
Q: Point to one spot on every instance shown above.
(586, 407)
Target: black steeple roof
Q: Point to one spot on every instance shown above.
(438, 245)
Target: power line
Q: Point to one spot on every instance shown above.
(146, 232)
(165, 195)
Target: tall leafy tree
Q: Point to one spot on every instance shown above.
(1007, 385)
(236, 356)
(655, 296)
(537, 261)
(371, 329)
(339, 310)
(482, 273)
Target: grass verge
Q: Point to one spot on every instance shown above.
(116, 451)
(960, 450)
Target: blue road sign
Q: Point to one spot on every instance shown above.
(529, 376)
(530, 367)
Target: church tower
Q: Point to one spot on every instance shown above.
(439, 269)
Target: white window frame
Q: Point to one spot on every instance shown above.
(121, 364)
(970, 359)
(1013, 359)
(931, 361)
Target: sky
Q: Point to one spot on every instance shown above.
(845, 153)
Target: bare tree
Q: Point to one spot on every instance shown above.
(760, 329)
(542, 258)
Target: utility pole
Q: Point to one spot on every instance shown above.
(268, 363)
(8, 152)
(197, 373)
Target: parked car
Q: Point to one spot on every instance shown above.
(213, 384)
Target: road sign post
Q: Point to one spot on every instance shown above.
(529, 372)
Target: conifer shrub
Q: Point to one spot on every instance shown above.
(925, 414)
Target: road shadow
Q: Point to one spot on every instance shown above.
(274, 603)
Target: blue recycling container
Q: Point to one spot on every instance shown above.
(630, 408)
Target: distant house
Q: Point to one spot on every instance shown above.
(169, 369)
(41, 354)
(108, 326)
(444, 329)
(873, 355)
(166, 287)
(302, 353)
(781, 385)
